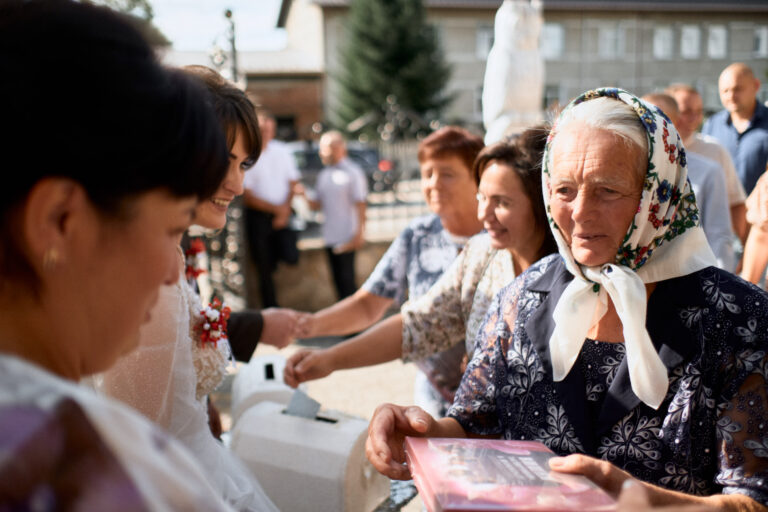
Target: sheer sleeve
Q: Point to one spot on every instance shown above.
(475, 404)
(436, 320)
(742, 432)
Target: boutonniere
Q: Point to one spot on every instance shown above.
(192, 259)
(213, 325)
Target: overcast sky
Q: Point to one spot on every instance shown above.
(196, 24)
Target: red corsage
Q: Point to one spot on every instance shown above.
(214, 323)
(192, 259)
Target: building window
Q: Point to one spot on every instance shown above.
(663, 42)
(552, 40)
(690, 42)
(717, 42)
(483, 41)
(610, 42)
(761, 41)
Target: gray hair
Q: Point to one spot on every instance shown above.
(606, 114)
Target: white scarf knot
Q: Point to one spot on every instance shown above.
(580, 305)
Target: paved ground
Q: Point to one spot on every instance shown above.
(360, 391)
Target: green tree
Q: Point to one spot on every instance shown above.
(139, 12)
(390, 52)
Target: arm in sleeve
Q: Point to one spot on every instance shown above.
(389, 278)
(244, 330)
(716, 219)
(436, 321)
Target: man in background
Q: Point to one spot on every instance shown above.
(269, 188)
(708, 185)
(743, 126)
(340, 193)
(691, 108)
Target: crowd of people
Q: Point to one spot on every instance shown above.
(573, 284)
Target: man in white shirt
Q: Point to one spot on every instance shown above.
(340, 192)
(269, 188)
(691, 108)
(708, 185)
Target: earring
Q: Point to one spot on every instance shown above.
(50, 259)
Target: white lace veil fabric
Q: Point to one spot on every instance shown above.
(159, 378)
(664, 240)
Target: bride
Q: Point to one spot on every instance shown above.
(178, 362)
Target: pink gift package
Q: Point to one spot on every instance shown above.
(455, 475)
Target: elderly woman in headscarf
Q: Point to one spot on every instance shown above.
(629, 346)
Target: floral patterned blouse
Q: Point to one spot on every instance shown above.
(412, 264)
(454, 308)
(710, 435)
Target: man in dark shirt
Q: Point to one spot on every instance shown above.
(743, 126)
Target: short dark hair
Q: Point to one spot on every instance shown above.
(234, 110)
(451, 141)
(85, 98)
(523, 154)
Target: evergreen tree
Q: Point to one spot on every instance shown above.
(390, 51)
(140, 13)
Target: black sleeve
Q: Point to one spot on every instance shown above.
(244, 330)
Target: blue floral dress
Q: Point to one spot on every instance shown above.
(412, 264)
(710, 435)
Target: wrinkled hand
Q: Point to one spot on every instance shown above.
(279, 326)
(307, 364)
(386, 434)
(607, 476)
(634, 498)
(305, 325)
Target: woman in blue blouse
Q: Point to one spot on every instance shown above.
(629, 348)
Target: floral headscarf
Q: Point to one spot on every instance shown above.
(664, 240)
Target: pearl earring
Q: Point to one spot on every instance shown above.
(50, 259)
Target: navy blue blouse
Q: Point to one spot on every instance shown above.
(710, 435)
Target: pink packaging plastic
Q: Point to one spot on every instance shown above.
(489, 475)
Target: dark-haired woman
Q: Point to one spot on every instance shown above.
(90, 217)
(509, 182)
(178, 362)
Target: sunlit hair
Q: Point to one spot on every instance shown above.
(522, 154)
(234, 110)
(610, 115)
(451, 141)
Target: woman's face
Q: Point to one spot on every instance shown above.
(505, 211)
(116, 270)
(448, 186)
(595, 191)
(212, 213)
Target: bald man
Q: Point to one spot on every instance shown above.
(743, 126)
(708, 183)
(340, 193)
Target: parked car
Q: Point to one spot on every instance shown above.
(382, 174)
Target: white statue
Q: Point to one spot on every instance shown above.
(514, 75)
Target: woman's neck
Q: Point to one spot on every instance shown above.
(527, 256)
(26, 335)
(609, 328)
(461, 225)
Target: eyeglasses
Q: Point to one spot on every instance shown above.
(494, 202)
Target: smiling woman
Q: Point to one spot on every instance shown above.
(628, 346)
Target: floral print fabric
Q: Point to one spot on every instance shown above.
(415, 261)
(710, 434)
(454, 308)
